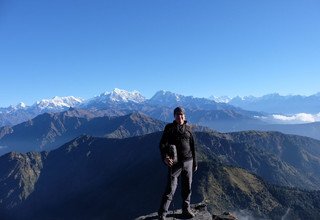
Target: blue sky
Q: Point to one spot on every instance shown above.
(192, 47)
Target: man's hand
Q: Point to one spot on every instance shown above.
(168, 161)
(195, 168)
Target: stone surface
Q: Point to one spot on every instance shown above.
(224, 216)
(200, 211)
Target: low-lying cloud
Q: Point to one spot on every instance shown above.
(300, 117)
(292, 119)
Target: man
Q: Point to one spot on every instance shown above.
(178, 134)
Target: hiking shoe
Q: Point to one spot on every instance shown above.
(188, 214)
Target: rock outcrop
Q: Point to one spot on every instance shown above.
(200, 211)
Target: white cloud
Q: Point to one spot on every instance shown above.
(292, 119)
(300, 117)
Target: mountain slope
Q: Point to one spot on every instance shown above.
(281, 159)
(286, 160)
(96, 178)
(50, 130)
(19, 174)
(308, 129)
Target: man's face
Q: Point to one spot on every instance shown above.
(179, 118)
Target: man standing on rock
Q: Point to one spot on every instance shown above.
(178, 136)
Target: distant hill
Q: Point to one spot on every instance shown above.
(307, 129)
(50, 130)
(286, 160)
(101, 178)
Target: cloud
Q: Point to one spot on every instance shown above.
(298, 118)
(3, 147)
(291, 119)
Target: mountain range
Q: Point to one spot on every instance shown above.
(275, 103)
(287, 160)
(271, 103)
(205, 112)
(50, 130)
(116, 101)
(69, 158)
(13, 115)
(103, 178)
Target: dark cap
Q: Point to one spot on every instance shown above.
(178, 110)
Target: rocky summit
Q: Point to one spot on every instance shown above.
(200, 211)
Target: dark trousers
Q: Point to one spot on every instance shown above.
(185, 169)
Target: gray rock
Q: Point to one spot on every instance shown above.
(200, 211)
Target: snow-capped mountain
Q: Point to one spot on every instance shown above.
(119, 95)
(170, 99)
(13, 108)
(220, 99)
(57, 103)
(166, 98)
(21, 105)
(21, 112)
(202, 111)
(119, 102)
(276, 103)
(115, 97)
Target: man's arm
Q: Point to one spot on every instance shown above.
(193, 150)
(164, 146)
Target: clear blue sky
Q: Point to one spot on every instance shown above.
(192, 47)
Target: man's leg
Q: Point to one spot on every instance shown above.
(171, 187)
(186, 180)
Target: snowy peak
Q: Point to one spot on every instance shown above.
(276, 103)
(21, 105)
(58, 102)
(272, 97)
(13, 108)
(163, 97)
(114, 98)
(220, 99)
(119, 95)
(169, 99)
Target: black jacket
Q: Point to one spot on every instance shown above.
(182, 137)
